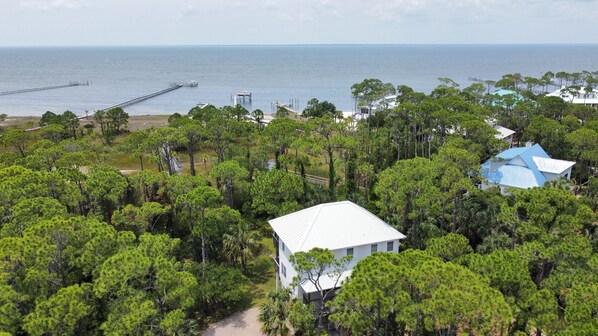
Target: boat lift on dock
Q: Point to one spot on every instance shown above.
(241, 96)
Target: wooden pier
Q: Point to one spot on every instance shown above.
(288, 107)
(71, 84)
(126, 103)
(142, 98)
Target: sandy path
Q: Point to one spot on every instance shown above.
(244, 323)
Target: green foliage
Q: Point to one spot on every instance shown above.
(408, 192)
(139, 219)
(29, 211)
(302, 318)
(106, 188)
(274, 314)
(10, 315)
(241, 245)
(230, 173)
(16, 140)
(194, 205)
(223, 289)
(449, 247)
(276, 193)
(61, 313)
(371, 89)
(415, 292)
(582, 309)
(317, 109)
(279, 136)
(128, 315)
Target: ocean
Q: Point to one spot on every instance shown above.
(294, 73)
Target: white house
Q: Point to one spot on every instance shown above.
(343, 227)
(503, 132)
(523, 167)
(577, 96)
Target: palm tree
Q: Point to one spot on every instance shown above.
(258, 115)
(274, 314)
(240, 245)
(561, 183)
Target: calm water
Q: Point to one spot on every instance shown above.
(270, 72)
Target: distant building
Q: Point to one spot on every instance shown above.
(575, 96)
(503, 132)
(502, 94)
(523, 167)
(344, 228)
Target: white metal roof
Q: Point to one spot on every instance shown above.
(332, 226)
(547, 165)
(503, 132)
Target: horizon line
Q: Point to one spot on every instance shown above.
(295, 45)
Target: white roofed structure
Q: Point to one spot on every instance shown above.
(332, 226)
(577, 96)
(553, 166)
(344, 227)
(503, 132)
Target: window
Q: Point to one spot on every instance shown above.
(374, 248)
(282, 246)
(389, 246)
(350, 251)
(283, 270)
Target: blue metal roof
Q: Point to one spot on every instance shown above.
(512, 153)
(516, 175)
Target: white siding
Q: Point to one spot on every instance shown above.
(359, 253)
(567, 173)
(283, 259)
(550, 176)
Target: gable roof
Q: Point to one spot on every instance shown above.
(552, 166)
(536, 162)
(332, 226)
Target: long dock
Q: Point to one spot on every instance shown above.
(71, 84)
(129, 102)
(142, 98)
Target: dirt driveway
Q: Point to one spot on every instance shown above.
(244, 323)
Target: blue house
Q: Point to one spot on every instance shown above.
(523, 167)
(499, 97)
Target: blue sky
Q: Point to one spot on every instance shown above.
(198, 22)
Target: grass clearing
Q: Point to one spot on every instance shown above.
(260, 272)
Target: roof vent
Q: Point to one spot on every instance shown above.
(529, 144)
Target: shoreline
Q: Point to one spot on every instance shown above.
(136, 122)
